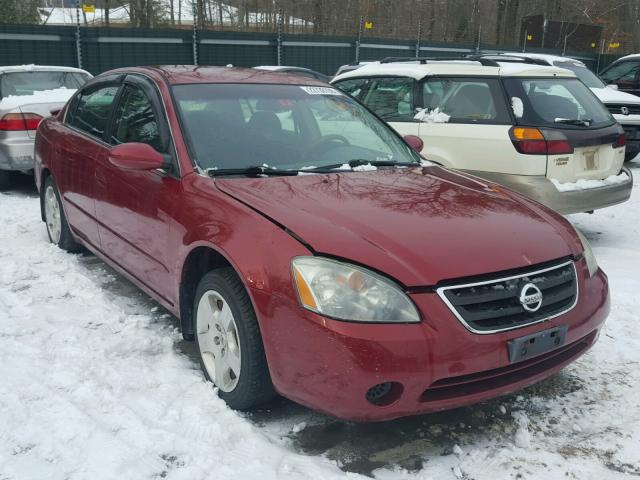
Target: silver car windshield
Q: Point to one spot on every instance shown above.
(583, 73)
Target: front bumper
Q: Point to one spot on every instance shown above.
(330, 365)
(16, 152)
(540, 189)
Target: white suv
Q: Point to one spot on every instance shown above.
(624, 107)
(536, 129)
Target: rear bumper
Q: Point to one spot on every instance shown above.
(16, 152)
(437, 364)
(540, 189)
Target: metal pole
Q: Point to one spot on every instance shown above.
(195, 33)
(479, 37)
(78, 43)
(524, 45)
(600, 53)
(419, 35)
(359, 37)
(564, 47)
(280, 21)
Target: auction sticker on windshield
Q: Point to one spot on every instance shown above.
(321, 91)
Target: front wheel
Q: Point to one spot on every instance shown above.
(57, 226)
(229, 341)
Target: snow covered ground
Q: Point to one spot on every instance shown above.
(96, 383)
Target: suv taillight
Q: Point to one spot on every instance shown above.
(536, 141)
(13, 122)
(620, 141)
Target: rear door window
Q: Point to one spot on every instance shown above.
(92, 109)
(465, 100)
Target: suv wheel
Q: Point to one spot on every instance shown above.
(57, 226)
(229, 341)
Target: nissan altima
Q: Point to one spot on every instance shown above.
(309, 250)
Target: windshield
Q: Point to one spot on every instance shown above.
(583, 73)
(235, 126)
(555, 102)
(25, 83)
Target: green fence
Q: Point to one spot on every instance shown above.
(98, 49)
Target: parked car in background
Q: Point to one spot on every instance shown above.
(305, 72)
(308, 250)
(536, 129)
(29, 93)
(624, 74)
(624, 107)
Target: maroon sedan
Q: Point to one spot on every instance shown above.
(309, 250)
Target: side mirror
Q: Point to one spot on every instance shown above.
(612, 86)
(55, 111)
(414, 142)
(136, 156)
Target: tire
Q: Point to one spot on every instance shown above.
(628, 156)
(55, 219)
(229, 343)
(5, 179)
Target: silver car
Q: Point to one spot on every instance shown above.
(28, 93)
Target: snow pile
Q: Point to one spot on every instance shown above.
(57, 95)
(584, 184)
(365, 168)
(517, 106)
(433, 116)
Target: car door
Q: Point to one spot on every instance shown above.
(625, 75)
(466, 124)
(79, 143)
(135, 208)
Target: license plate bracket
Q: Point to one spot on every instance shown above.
(536, 344)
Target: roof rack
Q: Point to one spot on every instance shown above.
(512, 58)
(486, 62)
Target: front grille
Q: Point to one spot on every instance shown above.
(475, 383)
(494, 305)
(617, 108)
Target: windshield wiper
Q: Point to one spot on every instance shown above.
(252, 171)
(356, 162)
(575, 121)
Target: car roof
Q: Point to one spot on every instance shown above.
(627, 57)
(40, 68)
(454, 67)
(186, 74)
(540, 56)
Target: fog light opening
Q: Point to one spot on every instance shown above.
(384, 393)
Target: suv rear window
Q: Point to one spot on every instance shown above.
(552, 102)
(466, 100)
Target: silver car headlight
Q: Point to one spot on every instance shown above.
(348, 292)
(590, 258)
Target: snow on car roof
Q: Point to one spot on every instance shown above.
(40, 68)
(453, 67)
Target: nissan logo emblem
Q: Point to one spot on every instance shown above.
(624, 110)
(530, 298)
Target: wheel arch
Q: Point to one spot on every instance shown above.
(200, 260)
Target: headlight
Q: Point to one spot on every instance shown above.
(348, 292)
(590, 258)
